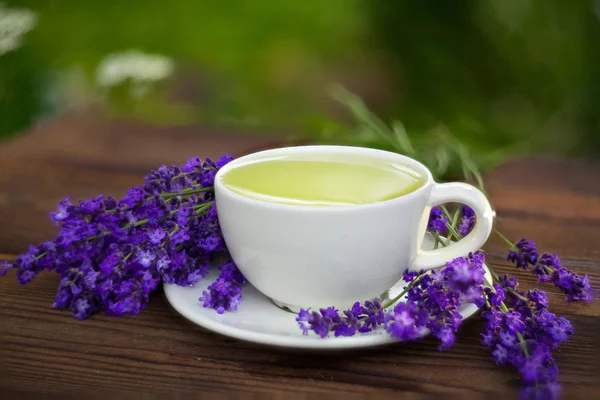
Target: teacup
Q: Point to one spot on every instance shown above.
(305, 256)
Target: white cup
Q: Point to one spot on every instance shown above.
(310, 256)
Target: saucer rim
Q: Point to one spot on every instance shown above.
(374, 339)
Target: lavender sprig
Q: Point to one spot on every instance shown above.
(520, 330)
(548, 268)
(432, 304)
(112, 254)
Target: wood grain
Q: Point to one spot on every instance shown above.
(159, 355)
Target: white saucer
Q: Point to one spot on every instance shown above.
(258, 320)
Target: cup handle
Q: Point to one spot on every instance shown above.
(472, 197)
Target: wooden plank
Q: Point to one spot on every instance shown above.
(47, 351)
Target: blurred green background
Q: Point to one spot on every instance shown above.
(504, 76)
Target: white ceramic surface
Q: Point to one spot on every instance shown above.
(304, 256)
(258, 320)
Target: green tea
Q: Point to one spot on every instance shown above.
(316, 182)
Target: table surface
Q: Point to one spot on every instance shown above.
(158, 353)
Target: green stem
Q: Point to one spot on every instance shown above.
(186, 192)
(516, 294)
(406, 289)
(508, 242)
(399, 296)
(128, 255)
(494, 273)
(450, 228)
(170, 195)
(438, 240)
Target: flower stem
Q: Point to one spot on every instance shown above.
(516, 294)
(453, 226)
(438, 240)
(508, 242)
(449, 226)
(186, 192)
(168, 196)
(406, 289)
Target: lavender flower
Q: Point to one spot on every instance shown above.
(225, 293)
(437, 221)
(440, 294)
(360, 318)
(322, 322)
(575, 287)
(432, 303)
(467, 221)
(548, 268)
(112, 254)
(4, 267)
(524, 254)
(523, 336)
(406, 321)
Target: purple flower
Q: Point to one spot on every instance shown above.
(63, 211)
(111, 255)
(28, 259)
(539, 367)
(109, 263)
(156, 236)
(500, 354)
(560, 330)
(467, 221)
(506, 281)
(575, 287)
(225, 159)
(402, 322)
(145, 258)
(447, 336)
(410, 276)
(549, 269)
(25, 276)
(514, 321)
(4, 267)
(498, 297)
(465, 273)
(179, 237)
(212, 243)
(62, 299)
(197, 274)
(537, 299)
(304, 320)
(162, 264)
(508, 339)
(524, 254)
(488, 338)
(226, 292)
(437, 221)
(527, 324)
(318, 322)
(345, 330)
(182, 215)
(82, 308)
(548, 391)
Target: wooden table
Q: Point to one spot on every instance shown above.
(159, 354)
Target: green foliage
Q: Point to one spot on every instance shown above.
(444, 154)
(504, 76)
(498, 72)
